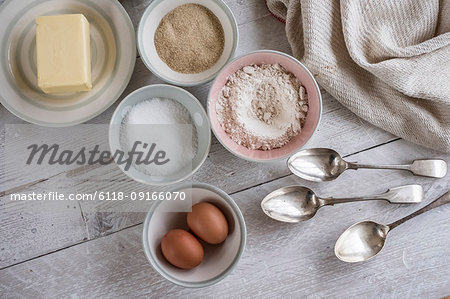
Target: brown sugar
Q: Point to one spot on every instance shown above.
(190, 39)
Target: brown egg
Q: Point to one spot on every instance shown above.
(208, 223)
(182, 249)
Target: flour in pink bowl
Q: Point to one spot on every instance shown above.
(262, 107)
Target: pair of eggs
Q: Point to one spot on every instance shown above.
(182, 249)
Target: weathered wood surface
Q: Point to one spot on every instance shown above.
(100, 254)
(281, 260)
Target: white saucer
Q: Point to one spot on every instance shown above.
(113, 55)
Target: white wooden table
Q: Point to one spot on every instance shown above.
(79, 254)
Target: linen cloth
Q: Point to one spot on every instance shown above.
(388, 61)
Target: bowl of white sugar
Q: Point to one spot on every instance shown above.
(159, 135)
(264, 106)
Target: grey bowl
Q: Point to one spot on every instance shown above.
(219, 260)
(199, 117)
(145, 41)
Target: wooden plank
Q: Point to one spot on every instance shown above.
(244, 11)
(25, 232)
(280, 260)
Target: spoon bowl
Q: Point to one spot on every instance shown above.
(291, 204)
(361, 241)
(364, 240)
(317, 165)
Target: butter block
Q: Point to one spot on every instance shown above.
(63, 53)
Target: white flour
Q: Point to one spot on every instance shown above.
(262, 107)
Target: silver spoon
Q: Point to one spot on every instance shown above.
(323, 164)
(296, 203)
(365, 239)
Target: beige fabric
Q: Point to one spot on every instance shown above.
(386, 60)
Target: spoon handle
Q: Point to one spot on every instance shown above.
(397, 167)
(402, 194)
(444, 199)
(434, 168)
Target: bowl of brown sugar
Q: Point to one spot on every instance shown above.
(186, 43)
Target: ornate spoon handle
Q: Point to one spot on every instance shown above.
(444, 199)
(403, 194)
(434, 168)
(357, 166)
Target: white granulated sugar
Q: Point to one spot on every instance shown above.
(262, 106)
(158, 121)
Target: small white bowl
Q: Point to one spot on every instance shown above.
(146, 46)
(199, 119)
(219, 260)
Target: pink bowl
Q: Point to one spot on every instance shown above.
(292, 65)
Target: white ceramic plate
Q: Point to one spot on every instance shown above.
(146, 45)
(113, 55)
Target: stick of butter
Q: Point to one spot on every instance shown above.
(63, 53)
